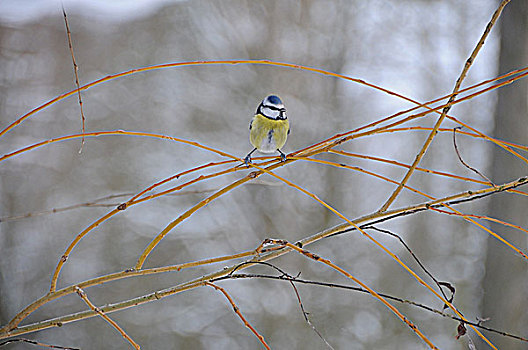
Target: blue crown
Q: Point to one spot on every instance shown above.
(274, 99)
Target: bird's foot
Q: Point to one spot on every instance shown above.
(247, 160)
(283, 156)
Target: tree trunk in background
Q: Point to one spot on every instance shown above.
(505, 285)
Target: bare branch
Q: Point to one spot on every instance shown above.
(466, 164)
(75, 71)
(114, 324)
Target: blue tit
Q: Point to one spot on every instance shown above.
(269, 128)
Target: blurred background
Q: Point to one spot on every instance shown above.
(415, 47)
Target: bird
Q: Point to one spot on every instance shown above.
(269, 128)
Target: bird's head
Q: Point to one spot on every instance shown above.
(272, 107)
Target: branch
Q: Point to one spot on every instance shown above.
(446, 109)
(12, 329)
(97, 310)
(75, 72)
(237, 311)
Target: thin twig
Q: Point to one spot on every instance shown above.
(439, 284)
(75, 71)
(33, 342)
(84, 297)
(466, 164)
(237, 311)
(96, 203)
(306, 318)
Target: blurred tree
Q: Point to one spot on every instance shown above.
(505, 287)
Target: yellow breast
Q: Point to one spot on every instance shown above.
(268, 135)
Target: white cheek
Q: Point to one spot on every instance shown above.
(270, 113)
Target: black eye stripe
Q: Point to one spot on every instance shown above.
(282, 112)
(275, 108)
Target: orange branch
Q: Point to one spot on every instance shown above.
(94, 308)
(237, 311)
